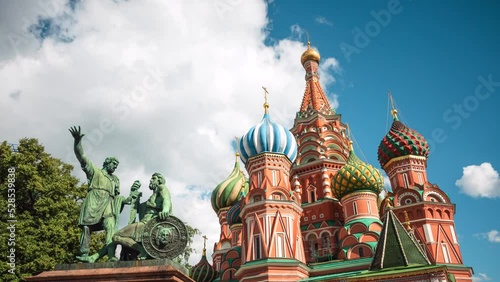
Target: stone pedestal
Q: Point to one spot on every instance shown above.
(145, 270)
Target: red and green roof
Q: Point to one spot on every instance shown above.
(401, 141)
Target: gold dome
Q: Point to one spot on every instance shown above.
(309, 54)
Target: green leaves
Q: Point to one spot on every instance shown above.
(47, 205)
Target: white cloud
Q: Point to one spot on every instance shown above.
(480, 181)
(296, 31)
(323, 20)
(480, 277)
(163, 86)
(492, 236)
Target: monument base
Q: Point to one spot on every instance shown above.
(138, 270)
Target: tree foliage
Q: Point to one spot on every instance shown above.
(184, 257)
(47, 205)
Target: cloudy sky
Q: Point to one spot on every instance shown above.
(165, 86)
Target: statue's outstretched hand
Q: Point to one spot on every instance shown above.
(76, 132)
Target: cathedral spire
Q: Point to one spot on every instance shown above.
(314, 96)
(394, 112)
(266, 104)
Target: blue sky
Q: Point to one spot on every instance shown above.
(165, 86)
(430, 55)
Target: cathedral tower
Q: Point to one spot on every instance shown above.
(271, 239)
(223, 197)
(403, 154)
(323, 148)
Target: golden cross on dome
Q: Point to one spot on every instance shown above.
(348, 130)
(237, 144)
(266, 105)
(394, 112)
(205, 238)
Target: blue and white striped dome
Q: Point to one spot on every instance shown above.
(270, 137)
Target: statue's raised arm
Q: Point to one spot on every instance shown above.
(77, 134)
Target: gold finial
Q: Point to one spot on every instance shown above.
(407, 221)
(237, 144)
(309, 54)
(205, 245)
(349, 137)
(394, 112)
(266, 105)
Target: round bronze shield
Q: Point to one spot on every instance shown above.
(165, 238)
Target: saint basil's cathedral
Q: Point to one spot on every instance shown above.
(310, 209)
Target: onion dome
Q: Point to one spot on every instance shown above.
(270, 137)
(309, 54)
(401, 141)
(203, 271)
(233, 214)
(226, 193)
(356, 175)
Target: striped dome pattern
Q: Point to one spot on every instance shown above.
(268, 136)
(356, 175)
(401, 141)
(203, 271)
(233, 214)
(226, 193)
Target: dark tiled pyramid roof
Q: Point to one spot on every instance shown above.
(396, 247)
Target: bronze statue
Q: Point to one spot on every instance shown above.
(102, 205)
(159, 204)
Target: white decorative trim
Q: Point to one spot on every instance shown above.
(412, 194)
(434, 193)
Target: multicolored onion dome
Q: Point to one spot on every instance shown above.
(226, 193)
(401, 141)
(310, 54)
(233, 214)
(268, 136)
(356, 175)
(203, 271)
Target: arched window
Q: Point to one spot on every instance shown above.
(312, 194)
(361, 252)
(313, 245)
(257, 247)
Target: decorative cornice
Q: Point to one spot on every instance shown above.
(386, 166)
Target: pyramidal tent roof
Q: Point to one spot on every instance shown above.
(396, 247)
